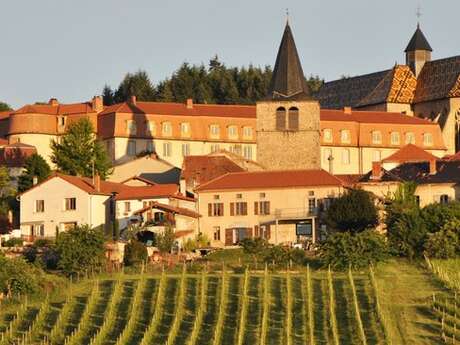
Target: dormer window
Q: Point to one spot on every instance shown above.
(185, 129)
(166, 128)
(394, 138)
(281, 119)
(232, 132)
(345, 136)
(410, 138)
(427, 139)
(376, 137)
(327, 135)
(214, 131)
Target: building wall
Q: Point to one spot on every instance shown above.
(42, 143)
(90, 210)
(123, 215)
(299, 149)
(286, 200)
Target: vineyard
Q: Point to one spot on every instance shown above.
(308, 307)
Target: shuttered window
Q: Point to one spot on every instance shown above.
(293, 119)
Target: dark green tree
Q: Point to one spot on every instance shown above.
(165, 240)
(437, 215)
(35, 166)
(354, 211)
(135, 253)
(314, 82)
(137, 84)
(79, 152)
(4, 106)
(80, 249)
(108, 96)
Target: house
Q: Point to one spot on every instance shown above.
(62, 201)
(281, 206)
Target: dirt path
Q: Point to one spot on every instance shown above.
(406, 291)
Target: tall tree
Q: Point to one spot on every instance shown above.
(79, 152)
(35, 166)
(108, 96)
(4, 106)
(137, 84)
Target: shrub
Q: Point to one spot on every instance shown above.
(358, 251)
(165, 241)
(353, 211)
(444, 244)
(254, 246)
(135, 253)
(278, 255)
(80, 249)
(437, 215)
(18, 277)
(13, 242)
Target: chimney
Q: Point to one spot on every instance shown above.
(376, 171)
(54, 102)
(189, 103)
(432, 167)
(133, 100)
(347, 110)
(97, 182)
(35, 180)
(97, 104)
(182, 187)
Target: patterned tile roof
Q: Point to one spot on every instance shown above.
(439, 79)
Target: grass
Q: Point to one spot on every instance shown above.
(405, 299)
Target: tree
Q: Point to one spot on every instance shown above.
(4, 106)
(35, 166)
(314, 83)
(137, 84)
(5, 187)
(437, 215)
(135, 253)
(108, 96)
(354, 211)
(80, 249)
(79, 152)
(444, 244)
(165, 240)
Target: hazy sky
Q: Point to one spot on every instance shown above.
(70, 48)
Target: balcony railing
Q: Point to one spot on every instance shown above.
(295, 213)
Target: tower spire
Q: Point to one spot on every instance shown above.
(288, 81)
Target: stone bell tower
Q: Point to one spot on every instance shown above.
(418, 52)
(288, 119)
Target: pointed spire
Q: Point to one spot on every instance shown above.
(418, 42)
(288, 81)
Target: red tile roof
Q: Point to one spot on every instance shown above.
(214, 110)
(14, 155)
(5, 114)
(410, 153)
(201, 169)
(455, 157)
(144, 192)
(349, 180)
(372, 117)
(60, 109)
(272, 179)
(169, 208)
(3, 142)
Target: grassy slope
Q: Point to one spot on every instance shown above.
(406, 291)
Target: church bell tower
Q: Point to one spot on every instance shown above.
(418, 52)
(288, 119)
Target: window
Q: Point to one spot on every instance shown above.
(216, 233)
(376, 137)
(327, 155)
(232, 131)
(280, 119)
(62, 121)
(185, 149)
(293, 119)
(216, 209)
(37, 230)
(149, 146)
(70, 204)
(427, 139)
(150, 128)
(247, 152)
(127, 206)
(131, 147)
(444, 199)
(39, 206)
(345, 156)
(247, 132)
(410, 138)
(311, 205)
(376, 156)
(216, 197)
(185, 129)
(394, 137)
(238, 208)
(235, 149)
(262, 195)
(239, 196)
(132, 127)
(262, 208)
(214, 148)
(167, 149)
(345, 136)
(214, 130)
(327, 135)
(166, 128)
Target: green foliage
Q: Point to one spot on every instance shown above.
(437, 215)
(79, 152)
(13, 242)
(200, 241)
(356, 250)
(354, 211)
(35, 165)
(116, 230)
(135, 253)
(278, 255)
(80, 249)
(137, 84)
(165, 240)
(444, 244)
(4, 106)
(18, 277)
(254, 246)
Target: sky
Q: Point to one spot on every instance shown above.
(69, 49)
